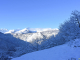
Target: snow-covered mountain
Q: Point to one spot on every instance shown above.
(20, 31)
(26, 30)
(11, 31)
(29, 34)
(23, 31)
(4, 30)
(68, 51)
(42, 29)
(29, 37)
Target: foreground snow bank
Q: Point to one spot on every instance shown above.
(67, 51)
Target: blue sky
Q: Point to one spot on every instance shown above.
(35, 13)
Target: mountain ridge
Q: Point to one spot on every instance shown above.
(25, 30)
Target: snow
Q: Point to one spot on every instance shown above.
(29, 37)
(34, 36)
(20, 31)
(10, 31)
(61, 52)
(28, 30)
(4, 30)
(23, 31)
(42, 29)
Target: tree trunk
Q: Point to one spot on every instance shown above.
(79, 25)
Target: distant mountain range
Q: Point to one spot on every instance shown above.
(4, 30)
(31, 35)
(21, 31)
(26, 30)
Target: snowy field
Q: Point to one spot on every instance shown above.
(68, 51)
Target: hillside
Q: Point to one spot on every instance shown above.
(68, 51)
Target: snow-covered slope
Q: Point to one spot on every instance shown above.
(67, 51)
(36, 36)
(11, 45)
